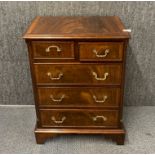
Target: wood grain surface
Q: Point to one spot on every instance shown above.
(62, 27)
(84, 97)
(53, 50)
(77, 74)
(79, 118)
(101, 51)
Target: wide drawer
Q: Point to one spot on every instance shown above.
(83, 74)
(78, 97)
(101, 51)
(53, 50)
(79, 118)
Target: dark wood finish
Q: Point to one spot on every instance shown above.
(117, 135)
(48, 50)
(101, 51)
(78, 74)
(123, 79)
(33, 81)
(79, 118)
(64, 45)
(64, 27)
(78, 97)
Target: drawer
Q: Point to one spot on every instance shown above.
(53, 50)
(101, 51)
(79, 118)
(79, 74)
(78, 97)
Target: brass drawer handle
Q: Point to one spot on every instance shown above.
(96, 117)
(55, 78)
(57, 100)
(53, 46)
(100, 101)
(101, 55)
(58, 122)
(100, 79)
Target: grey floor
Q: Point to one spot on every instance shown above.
(17, 124)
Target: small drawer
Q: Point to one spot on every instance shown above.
(78, 74)
(53, 50)
(101, 51)
(78, 97)
(79, 118)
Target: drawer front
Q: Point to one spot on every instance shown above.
(79, 118)
(79, 97)
(78, 74)
(53, 50)
(101, 51)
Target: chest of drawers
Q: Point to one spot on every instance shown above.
(77, 67)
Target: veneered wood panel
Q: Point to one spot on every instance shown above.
(101, 51)
(79, 118)
(64, 27)
(76, 74)
(83, 97)
(53, 50)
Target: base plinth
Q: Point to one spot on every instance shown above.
(117, 135)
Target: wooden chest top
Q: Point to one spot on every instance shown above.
(79, 27)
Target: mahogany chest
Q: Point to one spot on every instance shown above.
(78, 68)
